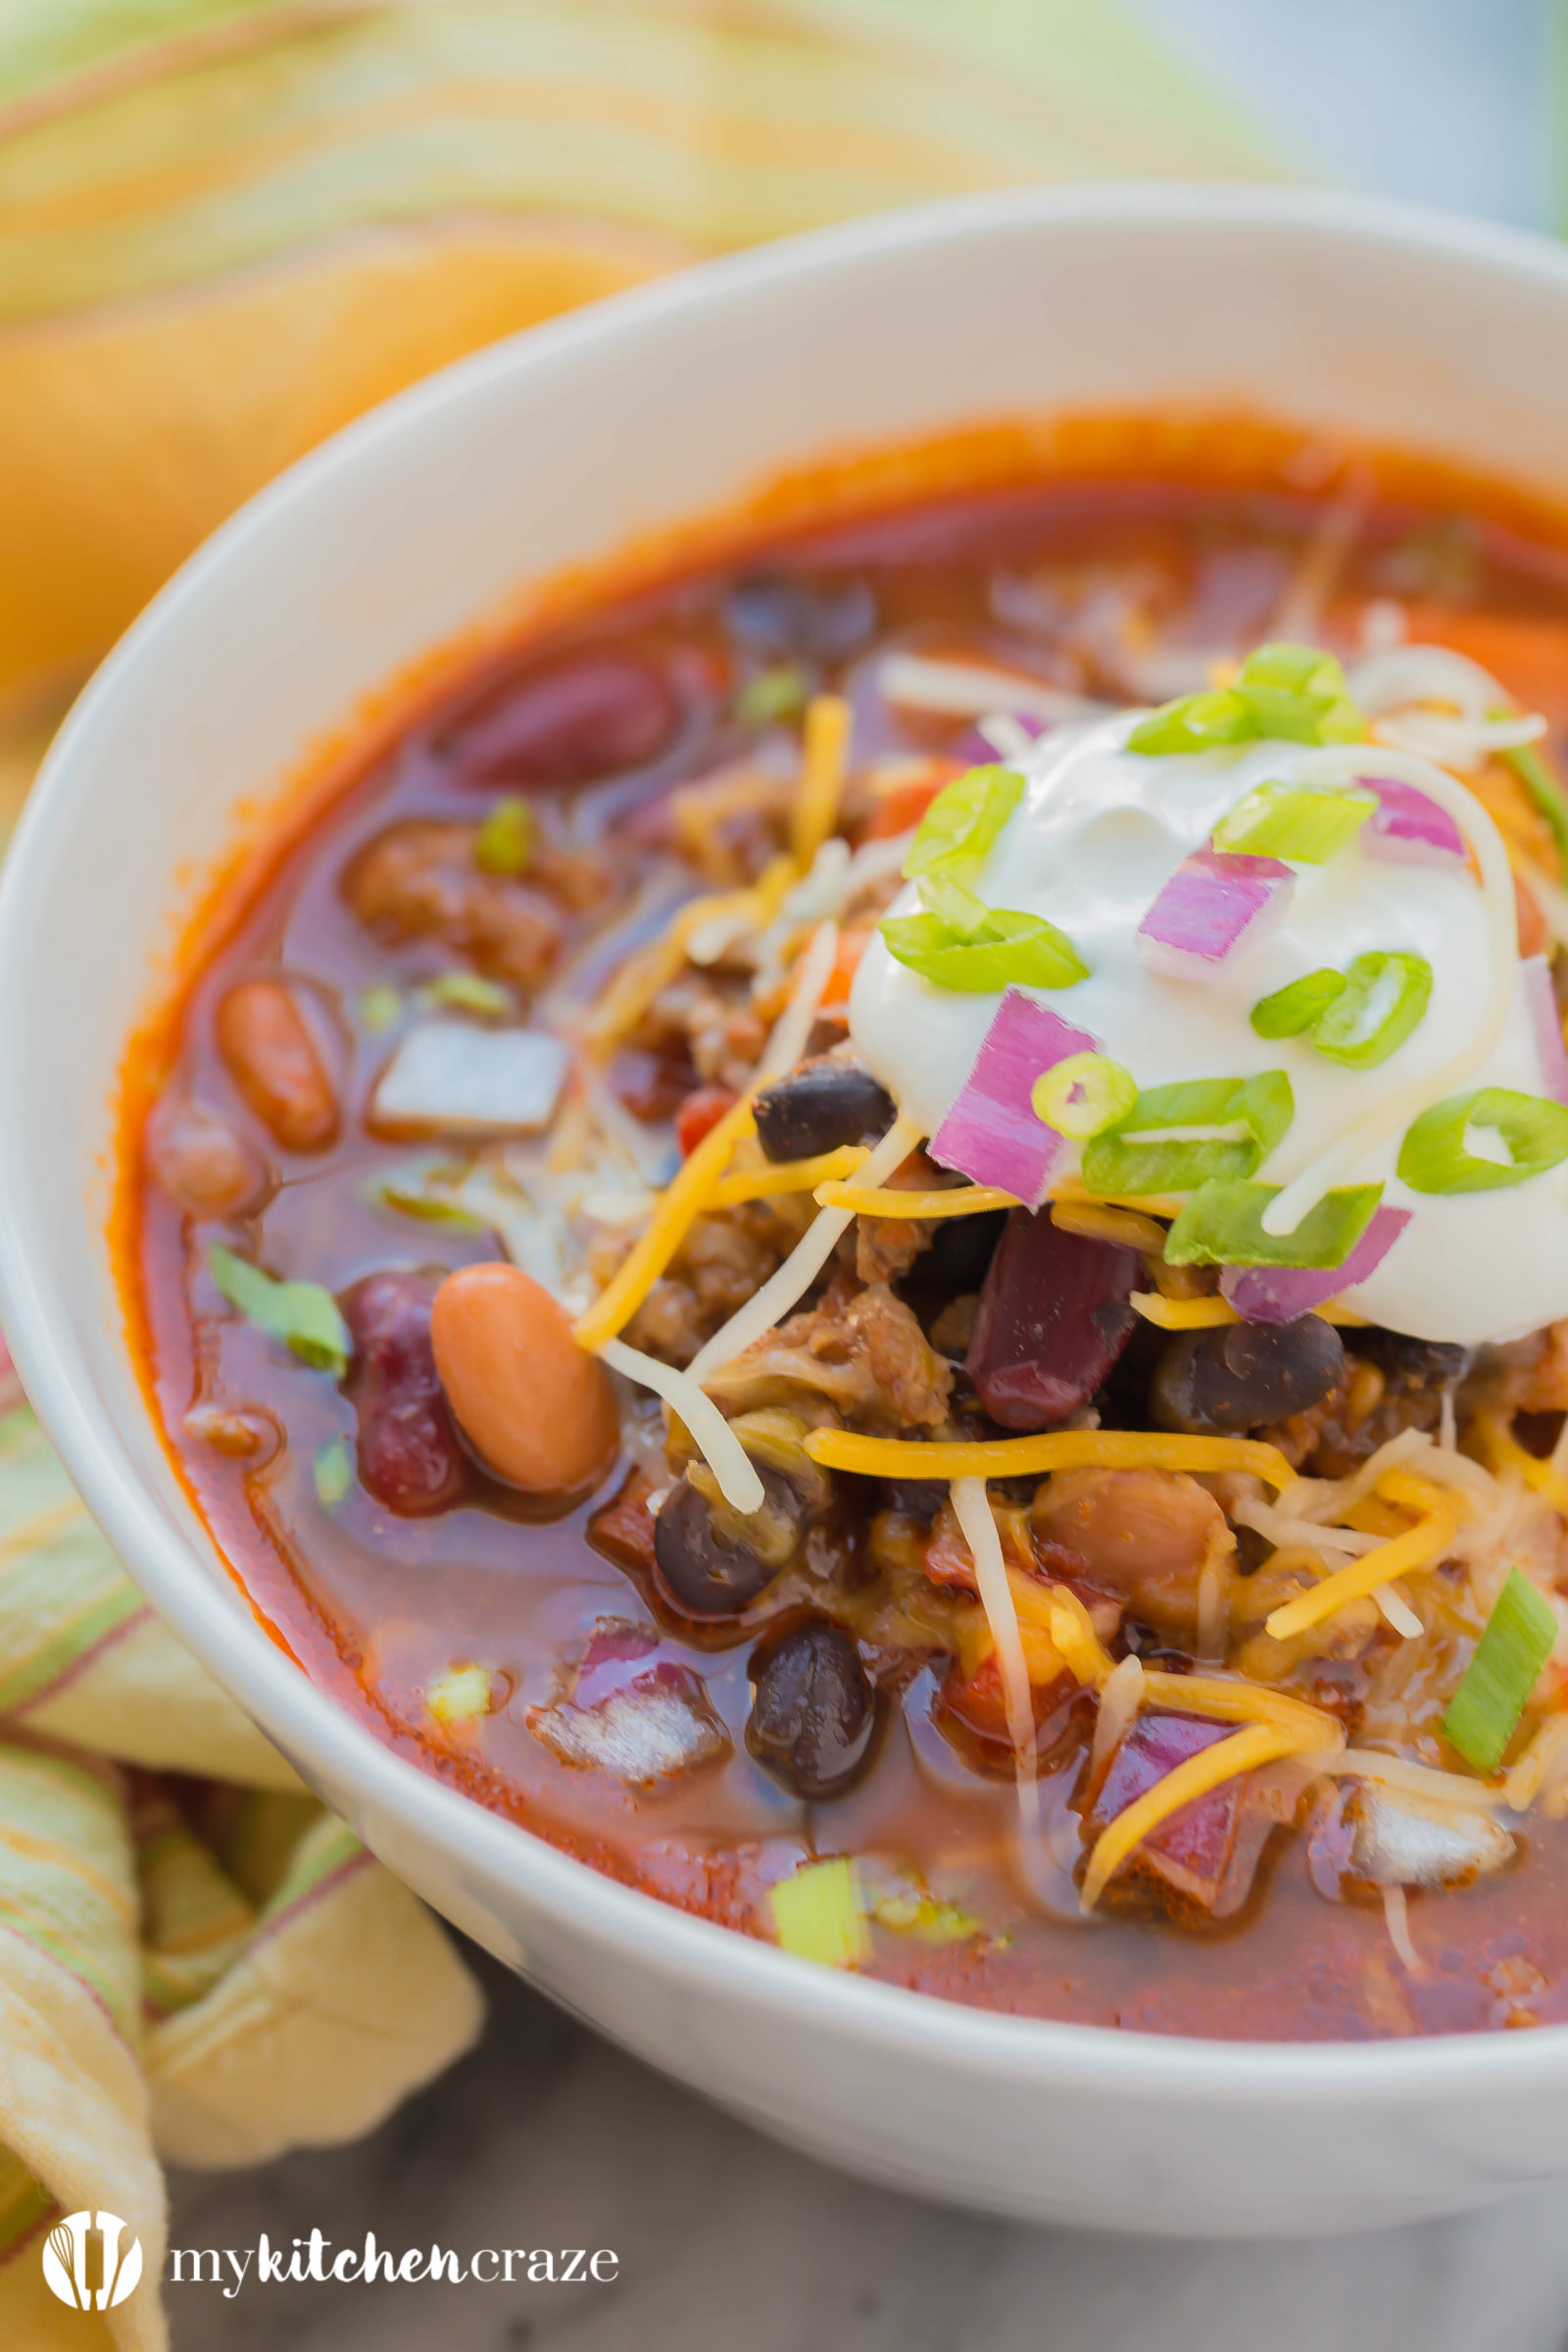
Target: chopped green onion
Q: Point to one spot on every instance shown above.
(415, 1192)
(1439, 1155)
(334, 1470)
(466, 992)
(1304, 823)
(380, 1006)
(1194, 722)
(959, 909)
(1383, 996)
(1494, 1688)
(963, 822)
(1291, 693)
(1290, 1009)
(1546, 795)
(1082, 1094)
(1300, 695)
(1008, 951)
(777, 692)
(459, 1695)
(506, 837)
(817, 1913)
(1222, 1225)
(1177, 1137)
(302, 1314)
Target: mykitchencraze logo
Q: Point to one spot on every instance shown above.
(85, 2264)
(311, 2258)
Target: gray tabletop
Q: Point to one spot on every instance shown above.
(547, 2138)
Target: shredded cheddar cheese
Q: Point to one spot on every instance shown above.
(1241, 1751)
(1036, 1457)
(1503, 1451)
(1061, 1615)
(817, 802)
(1071, 1189)
(785, 1176)
(1420, 1546)
(782, 1291)
(1204, 1314)
(961, 1200)
(644, 975)
(674, 1214)
(1238, 1701)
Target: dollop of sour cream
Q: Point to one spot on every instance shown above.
(1098, 832)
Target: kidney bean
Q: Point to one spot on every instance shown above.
(593, 716)
(408, 1454)
(820, 1104)
(706, 1571)
(1053, 1319)
(778, 613)
(1240, 1375)
(815, 1711)
(275, 1061)
(537, 1408)
(200, 1161)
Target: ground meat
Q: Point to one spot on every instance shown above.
(419, 880)
(723, 1040)
(1524, 1376)
(887, 1247)
(867, 1354)
(722, 1262)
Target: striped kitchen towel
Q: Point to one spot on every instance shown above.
(197, 1962)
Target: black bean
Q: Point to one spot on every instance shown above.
(917, 1497)
(815, 1711)
(410, 1456)
(1408, 1363)
(779, 614)
(1240, 1375)
(820, 1104)
(1053, 1318)
(703, 1571)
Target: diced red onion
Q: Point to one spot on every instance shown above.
(1213, 906)
(1535, 978)
(1408, 827)
(991, 1133)
(1278, 1294)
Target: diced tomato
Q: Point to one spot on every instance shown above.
(905, 806)
(835, 1003)
(700, 1115)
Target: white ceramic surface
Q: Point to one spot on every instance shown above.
(557, 447)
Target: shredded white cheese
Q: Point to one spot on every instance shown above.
(973, 1513)
(784, 1289)
(719, 1446)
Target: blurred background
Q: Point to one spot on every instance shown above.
(227, 226)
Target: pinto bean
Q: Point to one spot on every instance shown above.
(408, 1454)
(594, 716)
(815, 1711)
(537, 1409)
(1145, 1535)
(1241, 1375)
(202, 1162)
(275, 1062)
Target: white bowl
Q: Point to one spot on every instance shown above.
(655, 406)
